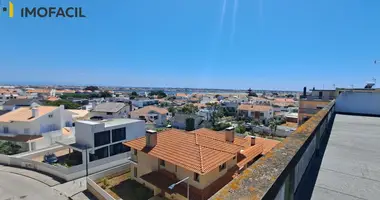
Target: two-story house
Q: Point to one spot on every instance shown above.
(208, 159)
(151, 114)
(260, 112)
(44, 122)
(109, 110)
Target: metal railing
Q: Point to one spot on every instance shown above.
(278, 174)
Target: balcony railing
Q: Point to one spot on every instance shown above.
(278, 174)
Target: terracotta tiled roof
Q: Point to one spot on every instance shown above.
(39, 91)
(191, 150)
(250, 153)
(181, 95)
(268, 144)
(284, 100)
(145, 110)
(51, 98)
(25, 113)
(201, 150)
(260, 108)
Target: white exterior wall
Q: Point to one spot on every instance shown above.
(41, 124)
(358, 103)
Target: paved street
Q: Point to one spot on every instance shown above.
(14, 186)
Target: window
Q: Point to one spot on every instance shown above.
(135, 152)
(102, 138)
(118, 148)
(261, 114)
(6, 129)
(196, 177)
(68, 124)
(109, 113)
(135, 172)
(222, 166)
(50, 115)
(26, 131)
(118, 134)
(99, 154)
(162, 163)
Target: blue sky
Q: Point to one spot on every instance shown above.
(236, 44)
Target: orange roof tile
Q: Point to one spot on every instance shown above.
(190, 150)
(39, 91)
(250, 153)
(268, 144)
(284, 100)
(260, 108)
(25, 113)
(51, 98)
(201, 150)
(181, 95)
(147, 109)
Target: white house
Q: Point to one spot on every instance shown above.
(259, 112)
(152, 114)
(46, 123)
(144, 102)
(110, 110)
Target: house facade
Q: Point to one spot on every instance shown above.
(153, 114)
(259, 112)
(45, 123)
(208, 159)
(105, 138)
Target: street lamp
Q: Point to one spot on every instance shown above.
(171, 187)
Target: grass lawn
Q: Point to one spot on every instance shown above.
(122, 187)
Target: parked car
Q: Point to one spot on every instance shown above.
(50, 158)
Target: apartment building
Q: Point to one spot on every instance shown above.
(310, 104)
(39, 122)
(105, 137)
(209, 160)
(151, 114)
(109, 110)
(260, 112)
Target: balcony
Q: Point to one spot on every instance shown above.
(334, 155)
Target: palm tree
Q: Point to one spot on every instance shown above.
(273, 126)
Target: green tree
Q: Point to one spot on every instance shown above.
(105, 94)
(134, 94)
(92, 88)
(9, 148)
(216, 112)
(240, 129)
(255, 122)
(160, 94)
(252, 94)
(273, 126)
(189, 109)
(67, 104)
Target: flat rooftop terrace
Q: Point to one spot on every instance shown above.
(350, 167)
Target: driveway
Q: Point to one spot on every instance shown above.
(14, 186)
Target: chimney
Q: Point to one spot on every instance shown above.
(230, 134)
(304, 92)
(253, 140)
(34, 112)
(151, 138)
